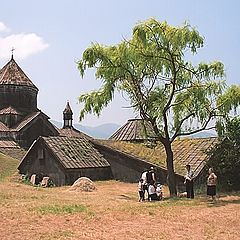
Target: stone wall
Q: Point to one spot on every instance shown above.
(40, 160)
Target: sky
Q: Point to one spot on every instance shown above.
(49, 37)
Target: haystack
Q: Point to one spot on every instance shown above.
(83, 184)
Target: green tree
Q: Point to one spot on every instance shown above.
(225, 156)
(166, 89)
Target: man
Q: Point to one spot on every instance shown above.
(189, 182)
(151, 178)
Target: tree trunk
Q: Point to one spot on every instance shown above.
(171, 175)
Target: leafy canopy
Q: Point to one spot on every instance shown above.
(224, 157)
(177, 97)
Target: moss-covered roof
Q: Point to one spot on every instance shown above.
(75, 152)
(186, 151)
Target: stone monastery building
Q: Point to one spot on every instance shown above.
(20, 119)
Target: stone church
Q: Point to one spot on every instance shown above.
(20, 119)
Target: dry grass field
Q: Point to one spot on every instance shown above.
(110, 212)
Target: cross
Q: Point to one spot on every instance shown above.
(13, 49)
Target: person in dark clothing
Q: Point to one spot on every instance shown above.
(150, 178)
(189, 182)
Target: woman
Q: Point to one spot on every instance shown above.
(189, 182)
(211, 184)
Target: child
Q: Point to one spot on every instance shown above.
(152, 191)
(159, 191)
(140, 190)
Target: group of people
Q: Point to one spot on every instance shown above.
(147, 184)
(211, 183)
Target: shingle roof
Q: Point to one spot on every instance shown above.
(185, 151)
(12, 74)
(72, 132)
(3, 127)
(8, 144)
(192, 151)
(25, 121)
(9, 110)
(134, 129)
(12, 149)
(75, 152)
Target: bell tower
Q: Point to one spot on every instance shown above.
(67, 116)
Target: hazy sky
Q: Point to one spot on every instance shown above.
(50, 36)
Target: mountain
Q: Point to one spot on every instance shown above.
(103, 131)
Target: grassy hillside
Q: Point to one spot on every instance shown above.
(8, 166)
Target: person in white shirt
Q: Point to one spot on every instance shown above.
(189, 182)
(152, 192)
(145, 185)
(159, 191)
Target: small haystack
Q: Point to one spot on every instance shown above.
(83, 184)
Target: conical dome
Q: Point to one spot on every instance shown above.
(16, 89)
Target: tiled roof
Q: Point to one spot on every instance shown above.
(9, 110)
(25, 121)
(192, 151)
(72, 132)
(12, 74)
(3, 127)
(17, 153)
(8, 144)
(12, 149)
(134, 129)
(185, 151)
(75, 152)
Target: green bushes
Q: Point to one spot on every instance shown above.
(225, 157)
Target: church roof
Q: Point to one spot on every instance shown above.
(3, 127)
(26, 121)
(192, 151)
(72, 132)
(134, 130)
(9, 110)
(75, 152)
(12, 74)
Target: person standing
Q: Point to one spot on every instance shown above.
(189, 182)
(145, 185)
(151, 179)
(140, 190)
(211, 184)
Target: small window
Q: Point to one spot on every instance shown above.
(40, 153)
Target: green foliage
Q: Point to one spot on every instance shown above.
(225, 157)
(161, 84)
(175, 96)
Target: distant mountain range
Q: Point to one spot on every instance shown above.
(103, 131)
